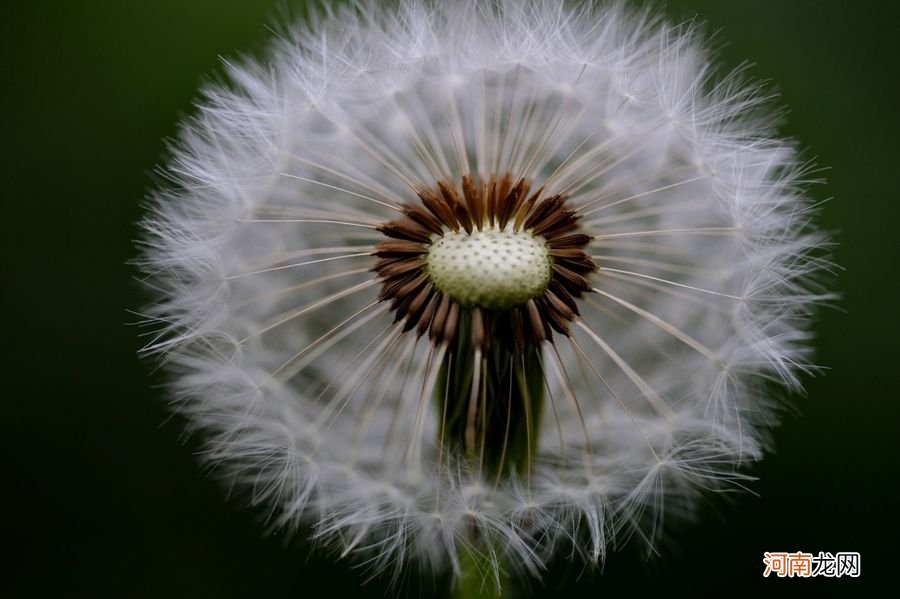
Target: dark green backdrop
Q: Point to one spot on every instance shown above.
(105, 497)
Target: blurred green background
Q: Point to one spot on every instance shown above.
(106, 496)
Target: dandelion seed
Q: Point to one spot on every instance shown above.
(463, 283)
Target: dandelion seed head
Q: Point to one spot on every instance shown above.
(482, 278)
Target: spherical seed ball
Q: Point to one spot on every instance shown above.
(492, 268)
(283, 343)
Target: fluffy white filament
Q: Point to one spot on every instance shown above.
(311, 398)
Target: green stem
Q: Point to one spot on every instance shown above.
(509, 398)
(476, 578)
(491, 402)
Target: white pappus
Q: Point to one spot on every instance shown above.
(444, 280)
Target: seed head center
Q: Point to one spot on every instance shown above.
(492, 268)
